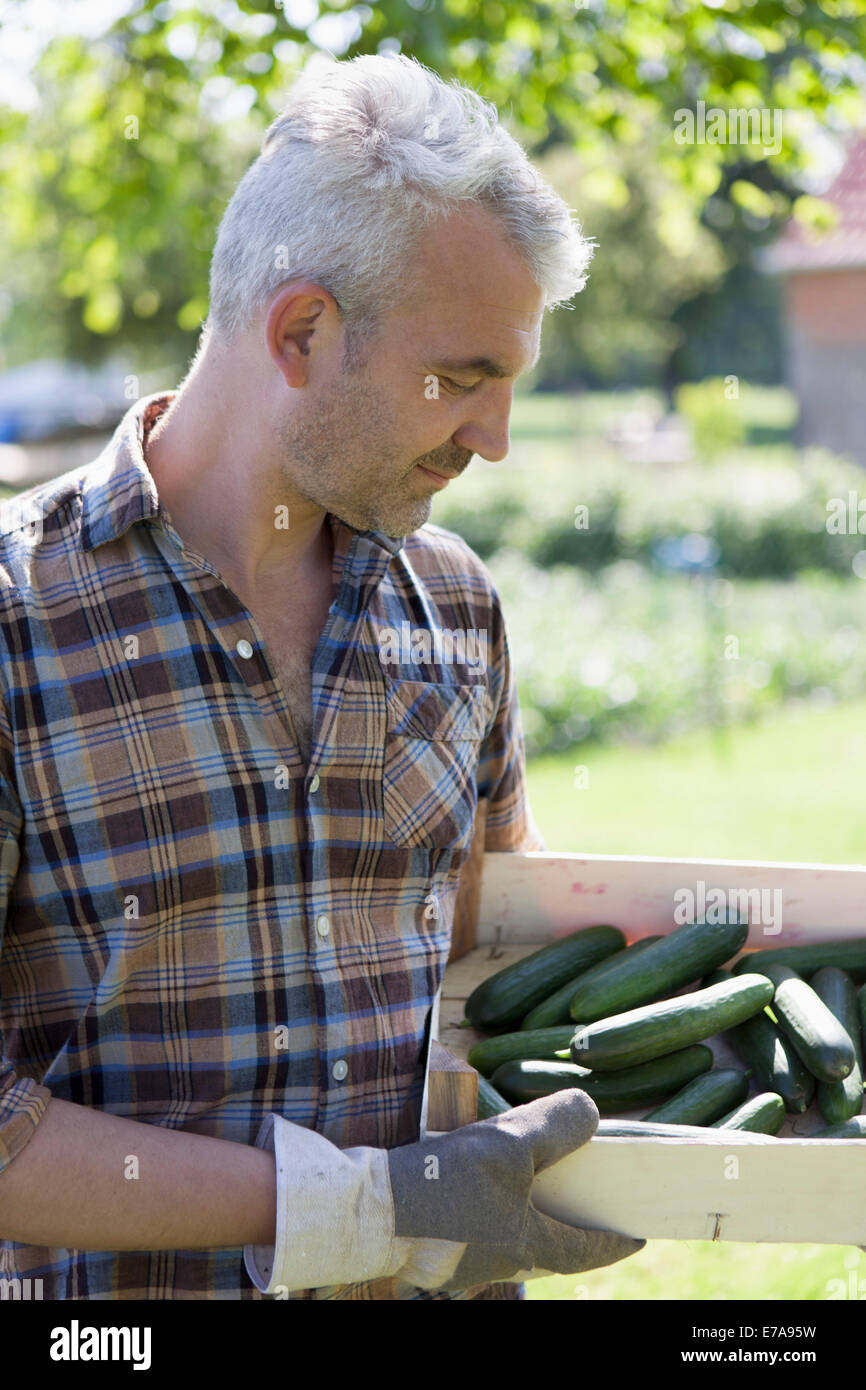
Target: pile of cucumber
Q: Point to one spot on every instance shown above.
(591, 1012)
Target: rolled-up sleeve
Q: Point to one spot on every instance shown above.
(510, 824)
(22, 1100)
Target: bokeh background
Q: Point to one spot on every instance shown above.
(677, 533)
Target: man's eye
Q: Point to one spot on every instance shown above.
(456, 384)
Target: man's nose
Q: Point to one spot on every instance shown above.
(485, 431)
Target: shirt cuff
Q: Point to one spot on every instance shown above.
(335, 1214)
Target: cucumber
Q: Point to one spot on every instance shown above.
(507, 996)
(523, 1081)
(849, 955)
(704, 1099)
(490, 1102)
(773, 1062)
(840, 1100)
(763, 1114)
(645, 1129)
(676, 960)
(855, 1128)
(861, 1004)
(555, 1009)
(816, 1036)
(650, 1129)
(642, 1034)
(541, 1043)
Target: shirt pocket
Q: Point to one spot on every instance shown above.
(432, 747)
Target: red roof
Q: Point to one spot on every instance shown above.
(843, 247)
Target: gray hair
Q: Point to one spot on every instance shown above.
(363, 156)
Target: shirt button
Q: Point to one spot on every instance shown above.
(244, 648)
(341, 1070)
(323, 926)
(314, 785)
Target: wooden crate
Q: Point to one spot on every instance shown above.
(731, 1187)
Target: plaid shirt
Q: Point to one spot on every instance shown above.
(196, 929)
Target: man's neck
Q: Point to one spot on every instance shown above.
(223, 496)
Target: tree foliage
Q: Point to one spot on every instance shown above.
(114, 183)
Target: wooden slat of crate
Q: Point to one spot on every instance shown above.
(537, 897)
(453, 1087)
(676, 1189)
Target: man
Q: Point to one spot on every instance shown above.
(234, 809)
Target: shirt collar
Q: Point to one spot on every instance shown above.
(119, 490)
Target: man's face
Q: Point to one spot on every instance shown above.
(359, 447)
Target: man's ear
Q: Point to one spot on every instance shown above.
(303, 319)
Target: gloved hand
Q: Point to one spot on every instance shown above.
(448, 1213)
(479, 1206)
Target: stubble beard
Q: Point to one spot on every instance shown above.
(341, 457)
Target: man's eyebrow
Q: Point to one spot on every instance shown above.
(486, 365)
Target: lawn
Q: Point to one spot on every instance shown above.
(787, 791)
(791, 789)
(693, 1269)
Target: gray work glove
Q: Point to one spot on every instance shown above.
(449, 1212)
(479, 1205)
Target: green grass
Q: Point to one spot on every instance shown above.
(789, 791)
(687, 1269)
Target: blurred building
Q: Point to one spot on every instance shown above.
(824, 282)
